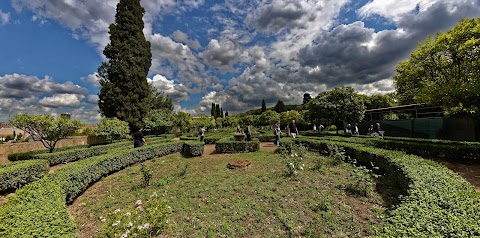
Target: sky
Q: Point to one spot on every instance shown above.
(233, 53)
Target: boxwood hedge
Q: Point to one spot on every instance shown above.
(16, 174)
(228, 145)
(436, 203)
(39, 209)
(192, 148)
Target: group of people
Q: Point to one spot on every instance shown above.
(375, 130)
(292, 131)
(351, 131)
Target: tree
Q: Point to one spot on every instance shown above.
(226, 114)
(213, 112)
(269, 118)
(221, 113)
(46, 128)
(279, 107)
(125, 93)
(159, 101)
(217, 110)
(377, 101)
(335, 106)
(159, 121)
(183, 121)
(306, 98)
(444, 71)
(264, 106)
(112, 128)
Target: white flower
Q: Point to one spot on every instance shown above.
(116, 223)
(116, 211)
(128, 214)
(154, 194)
(292, 155)
(146, 225)
(102, 219)
(138, 203)
(296, 155)
(129, 225)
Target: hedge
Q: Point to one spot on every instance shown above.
(192, 148)
(16, 174)
(39, 209)
(436, 203)
(32, 154)
(227, 145)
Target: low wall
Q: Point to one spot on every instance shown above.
(8, 147)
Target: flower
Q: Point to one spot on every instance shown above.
(296, 155)
(129, 224)
(154, 194)
(116, 223)
(116, 211)
(102, 219)
(128, 214)
(138, 203)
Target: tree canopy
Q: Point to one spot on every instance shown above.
(125, 93)
(444, 71)
(337, 105)
(112, 128)
(46, 128)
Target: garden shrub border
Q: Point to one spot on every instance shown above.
(192, 148)
(16, 174)
(40, 208)
(228, 145)
(437, 201)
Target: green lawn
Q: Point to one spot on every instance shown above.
(209, 200)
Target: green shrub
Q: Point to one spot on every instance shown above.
(17, 174)
(211, 140)
(227, 145)
(192, 148)
(436, 202)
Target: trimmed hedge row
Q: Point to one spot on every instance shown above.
(192, 148)
(32, 154)
(455, 151)
(16, 174)
(227, 145)
(437, 201)
(39, 209)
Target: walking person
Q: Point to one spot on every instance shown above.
(277, 133)
(292, 129)
(202, 133)
(138, 139)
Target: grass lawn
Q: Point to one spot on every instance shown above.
(207, 199)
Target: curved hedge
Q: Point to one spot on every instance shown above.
(16, 174)
(437, 201)
(227, 145)
(39, 209)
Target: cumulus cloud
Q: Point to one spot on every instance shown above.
(395, 10)
(4, 17)
(92, 99)
(222, 55)
(181, 37)
(92, 79)
(61, 100)
(177, 92)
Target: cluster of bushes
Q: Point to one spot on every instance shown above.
(16, 174)
(39, 209)
(436, 201)
(192, 148)
(228, 145)
(422, 147)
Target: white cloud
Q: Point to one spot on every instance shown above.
(394, 9)
(61, 100)
(222, 55)
(24, 86)
(4, 17)
(92, 79)
(181, 37)
(177, 92)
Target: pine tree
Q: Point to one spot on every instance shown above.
(125, 93)
(264, 106)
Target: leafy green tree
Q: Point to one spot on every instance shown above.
(264, 106)
(269, 118)
(206, 121)
(159, 101)
(46, 128)
(279, 107)
(112, 128)
(183, 121)
(337, 105)
(159, 121)
(377, 101)
(444, 71)
(125, 93)
(306, 98)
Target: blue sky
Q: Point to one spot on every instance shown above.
(233, 53)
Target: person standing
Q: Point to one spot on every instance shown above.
(277, 133)
(355, 130)
(248, 133)
(138, 139)
(315, 128)
(292, 129)
(202, 133)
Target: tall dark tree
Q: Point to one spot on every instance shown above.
(279, 107)
(306, 98)
(125, 93)
(213, 111)
(226, 114)
(264, 106)
(217, 110)
(221, 112)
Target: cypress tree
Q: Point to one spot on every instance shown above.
(221, 112)
(217, 110)
(226, 114)
(264, 106)
(213, 112)
(125, 93)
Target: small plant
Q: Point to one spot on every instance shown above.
(337, 153)
(362, 184)
(293, 161)
(144, 219)
(146, 175)
(182, 170)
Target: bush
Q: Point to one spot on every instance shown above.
(227, 145)
(39, 209)
(192, 148)
(211, 140)
(17, 174)
(436, 202)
